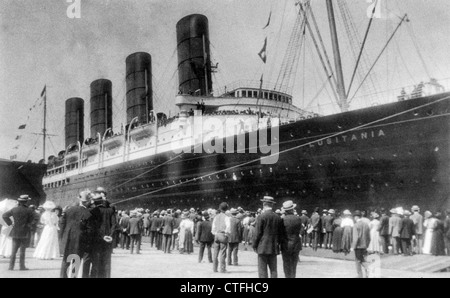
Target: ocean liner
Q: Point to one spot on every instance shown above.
(251, 141)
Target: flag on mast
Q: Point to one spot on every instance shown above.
(44, 91)
(268, 22)
(22, 126)
(262, 54)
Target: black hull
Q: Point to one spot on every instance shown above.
(397, 156)
(18, 178)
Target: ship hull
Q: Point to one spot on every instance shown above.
(18, 178)
(383, 156)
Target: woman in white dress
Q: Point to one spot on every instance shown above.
(347, 233)
(429, 224)
(5, 240)
(48, 246)
(374, 245)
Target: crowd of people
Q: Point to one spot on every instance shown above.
(91, 230)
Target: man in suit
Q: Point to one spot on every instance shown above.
(447, 232)
(394, 225)
(235, 237)
(104, 220)
(124, 222)
(417, 218)
(361, 240)
(323, 232)
(153, 228)
(24, 219)
(328, 225)
(167, 230)
(204, 237)
(305, 221)
(384, 231)
(407, 231)
(316, 224)
(146, 221)
(176, 229)
(134, 229)
(159, 234)
(292, 244)
(269, 231)
(221, 231)
(76, 232)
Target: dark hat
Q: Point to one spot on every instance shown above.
(96, 196)
(357, 213)
(205, 214)
(223, 206)
(24, 198)
(268, 199)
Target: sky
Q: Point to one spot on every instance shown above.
(40, 45)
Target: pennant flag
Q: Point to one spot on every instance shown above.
(268, 22)
(18, 137)
(44, 91)
(22, 126)
(262, 53)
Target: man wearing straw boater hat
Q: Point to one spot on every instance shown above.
(76, 237)
(20, 233)
(269, 231)
(292, 244)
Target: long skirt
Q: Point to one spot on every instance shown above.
(337, 240)
(188, 242)
(437, 243)
(374, 245)
(48, 246)
(427, 242)
(347, 239)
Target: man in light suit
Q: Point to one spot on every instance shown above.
(235, 237)
(221, 231)
(394, 231)
(24, 219)
(417, 219)
(316, 223)
(292, 244)
(361, 240)
(269, 231)
(134, 229)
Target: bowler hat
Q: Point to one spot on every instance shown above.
(23, 198)
(289, 205)
(223, 206)
(268, 199)
(357, 213)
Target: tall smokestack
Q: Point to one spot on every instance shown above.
(74, 128)
(139, 86)
(101, 106)
(194, 62)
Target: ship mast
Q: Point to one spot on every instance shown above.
(343, 104)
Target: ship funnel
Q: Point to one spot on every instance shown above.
(139, 87)
(101, 107)
(74, 128)
(194, 60)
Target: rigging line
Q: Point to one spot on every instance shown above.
(319, 36)
(379, 56)
(53, 146)
(362, 48)
(333, 87)
(403, 60)
(416, 46)
(324, 84)
(286, 150)
(146, 172)
(32, 148)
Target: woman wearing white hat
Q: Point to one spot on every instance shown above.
(347, 226)
(48, 246)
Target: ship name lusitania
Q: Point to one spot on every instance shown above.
(345, 138)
